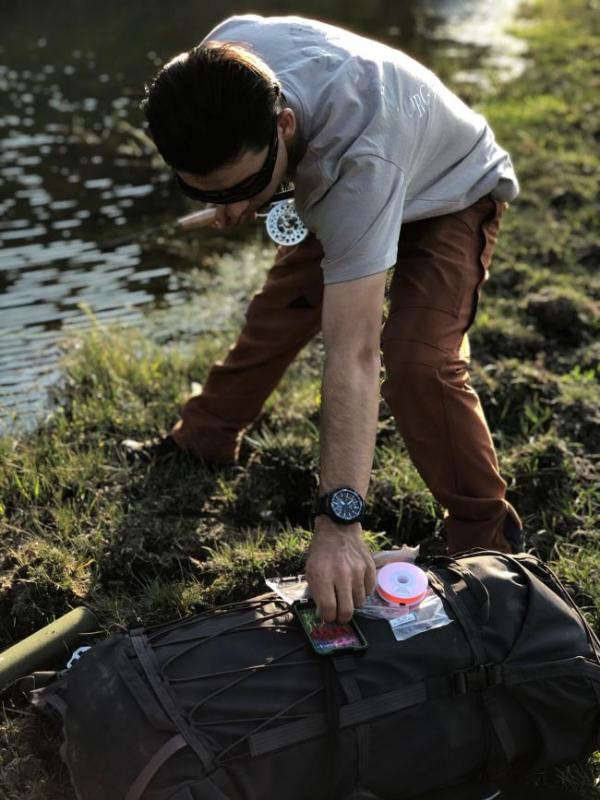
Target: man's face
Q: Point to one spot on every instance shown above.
(247, 165)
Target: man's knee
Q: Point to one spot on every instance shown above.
(416, 373)
(405, 360)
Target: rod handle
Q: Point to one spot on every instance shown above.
(199, 219)
(47, 646)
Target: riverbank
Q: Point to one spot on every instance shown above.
(80, 525)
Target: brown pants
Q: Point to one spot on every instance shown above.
(442, 263)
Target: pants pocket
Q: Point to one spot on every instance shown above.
(489, 230)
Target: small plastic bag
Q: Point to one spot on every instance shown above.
(407, 621)
(404, 553)
(290, 589)
(295, 587)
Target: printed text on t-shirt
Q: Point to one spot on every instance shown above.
(419, 102)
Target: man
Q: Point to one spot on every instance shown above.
(373, 141)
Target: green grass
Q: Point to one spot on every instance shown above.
(79, 524)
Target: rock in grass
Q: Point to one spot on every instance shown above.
(567, 200)
(564, 316)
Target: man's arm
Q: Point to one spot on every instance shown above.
(339, 568)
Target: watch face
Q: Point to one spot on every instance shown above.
(346, 504)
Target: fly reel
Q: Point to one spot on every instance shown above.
(283, 224)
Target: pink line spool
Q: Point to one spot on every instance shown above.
(402, 583)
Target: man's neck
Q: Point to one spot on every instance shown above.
(295, 150)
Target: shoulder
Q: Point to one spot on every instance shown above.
(240, 24)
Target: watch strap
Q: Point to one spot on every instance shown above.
(322, 505)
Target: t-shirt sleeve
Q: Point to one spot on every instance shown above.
(358, 220)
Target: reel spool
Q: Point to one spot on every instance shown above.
(283, 224)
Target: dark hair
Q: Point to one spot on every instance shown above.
(207, 106)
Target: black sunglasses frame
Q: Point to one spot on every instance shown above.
(241, 191)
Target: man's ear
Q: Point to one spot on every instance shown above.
(287, 122)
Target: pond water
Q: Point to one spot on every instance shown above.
(83, 203)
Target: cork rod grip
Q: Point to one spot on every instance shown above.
(199, 219)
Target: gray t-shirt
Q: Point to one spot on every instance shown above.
(386, 141)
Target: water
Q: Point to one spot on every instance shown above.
(84, 204)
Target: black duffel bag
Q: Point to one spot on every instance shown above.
(233, 704)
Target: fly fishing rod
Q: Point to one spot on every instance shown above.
(282, 222)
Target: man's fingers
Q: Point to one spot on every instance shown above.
(345, 605)
(324, 596)
(359, 592)
(370, 575)
(220, 217)
(339, 581)
(358, 597)
(365, 585)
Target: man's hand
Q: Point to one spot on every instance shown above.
(339, 569)
(230, 215)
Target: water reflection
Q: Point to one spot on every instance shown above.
(79, 189)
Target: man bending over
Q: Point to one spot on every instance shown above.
(391, 171)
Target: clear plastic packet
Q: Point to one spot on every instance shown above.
(407, 621)
(295, 587)
(404, 621)
(404, 553)
(290, 589)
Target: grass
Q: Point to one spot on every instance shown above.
(79, 524)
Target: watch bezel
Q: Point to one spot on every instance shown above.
(327, 500)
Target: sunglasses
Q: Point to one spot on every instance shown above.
(247, 188)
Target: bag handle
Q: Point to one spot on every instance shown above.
(475, 586)
(462, 615)
(537, 566)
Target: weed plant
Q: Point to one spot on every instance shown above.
(146, 542)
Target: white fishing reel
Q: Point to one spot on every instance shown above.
(283, 224)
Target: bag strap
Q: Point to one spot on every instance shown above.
(148, 661)
(577, 667)
(472, 582)
(475, 680)
(463, 617)
(162, 755)
(596, 687)
(481, 676)
(346, 671)
(536, 566)
(183, 794)
(332, 711)
(355, 713)
(206, 789)
(499, 757)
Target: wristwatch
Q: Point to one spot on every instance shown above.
(343, 505)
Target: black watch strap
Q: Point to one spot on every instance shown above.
(322, 505)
